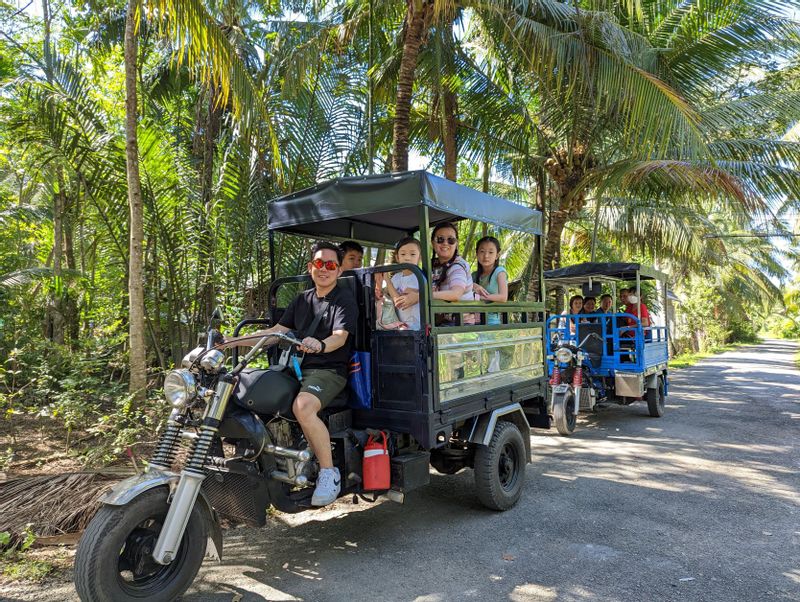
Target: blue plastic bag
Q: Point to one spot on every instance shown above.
(359, 380)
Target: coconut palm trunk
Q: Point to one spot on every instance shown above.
(417, 20)
(566, 170)
(136, 333)
(450, 131)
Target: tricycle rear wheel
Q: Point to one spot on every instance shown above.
(655, 399)
(564, 416)
(500, 468)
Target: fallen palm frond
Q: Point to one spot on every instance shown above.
(52, 504)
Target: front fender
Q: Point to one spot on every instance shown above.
(126, 490)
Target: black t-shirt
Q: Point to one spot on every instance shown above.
(341, 314)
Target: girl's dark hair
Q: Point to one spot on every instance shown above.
(572, 298)
(496, 244)
(434, 260)
(406, 240)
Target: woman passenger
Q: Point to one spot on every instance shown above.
(575, 307)
(451, 279)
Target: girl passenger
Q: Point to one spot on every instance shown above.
(404, 285)
(490, 279)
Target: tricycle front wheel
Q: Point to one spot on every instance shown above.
(114, 561)
(564, 416)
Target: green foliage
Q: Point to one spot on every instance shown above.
(81, 391)
(15, 563)
(668, 121)
(786, 323)
(710, 317)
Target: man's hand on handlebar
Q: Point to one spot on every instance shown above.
(310, 345)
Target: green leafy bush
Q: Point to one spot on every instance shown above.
(15, 564)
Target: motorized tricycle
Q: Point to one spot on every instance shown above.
(447, 396)
(598, 358)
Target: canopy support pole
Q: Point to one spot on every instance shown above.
(639, 297)
(271, 238)
(370, 143)
(427, 267)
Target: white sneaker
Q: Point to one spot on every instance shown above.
(329, 484)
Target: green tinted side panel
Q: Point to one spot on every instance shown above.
(470, 362)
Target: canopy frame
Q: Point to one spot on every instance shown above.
(380, 209)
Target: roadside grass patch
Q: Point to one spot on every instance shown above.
(23, 568)
(16, 563)
(684, 360)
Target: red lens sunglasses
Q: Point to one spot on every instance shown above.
(329, 265)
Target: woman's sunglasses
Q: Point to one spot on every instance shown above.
(440, 240)
(329, 265)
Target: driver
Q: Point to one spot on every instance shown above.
(328, 350)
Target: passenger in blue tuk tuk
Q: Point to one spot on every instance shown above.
(632, 305)
(575, 307)
(589, 308)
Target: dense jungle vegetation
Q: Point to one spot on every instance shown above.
(141, 143)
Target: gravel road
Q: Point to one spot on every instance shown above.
(702, 504)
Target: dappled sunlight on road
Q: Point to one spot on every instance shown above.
(649, 464)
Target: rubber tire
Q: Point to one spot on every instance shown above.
(655, 399)
(490, 490)
(564, 418)
(96, 570)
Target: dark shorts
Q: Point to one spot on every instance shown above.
(323, 384)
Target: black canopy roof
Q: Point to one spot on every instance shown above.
(382, 208)
(577, 274)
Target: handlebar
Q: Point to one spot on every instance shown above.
(262, 339)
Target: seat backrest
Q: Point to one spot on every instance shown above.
(594, 345)
(364, 296)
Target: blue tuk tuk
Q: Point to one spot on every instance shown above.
(609, 356)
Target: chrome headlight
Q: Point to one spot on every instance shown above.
(180, 387)
(189, 358)
(564, 355)
(212, 361)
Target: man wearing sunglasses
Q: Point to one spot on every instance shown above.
(328, 349)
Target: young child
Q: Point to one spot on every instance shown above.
(353, 255)
(407, 250)
(490, 279)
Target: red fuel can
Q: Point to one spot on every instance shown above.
(376, 465)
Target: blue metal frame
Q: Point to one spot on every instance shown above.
(649, 344)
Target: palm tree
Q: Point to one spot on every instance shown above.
(202, 43)
(136, 327)
(622, 105)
